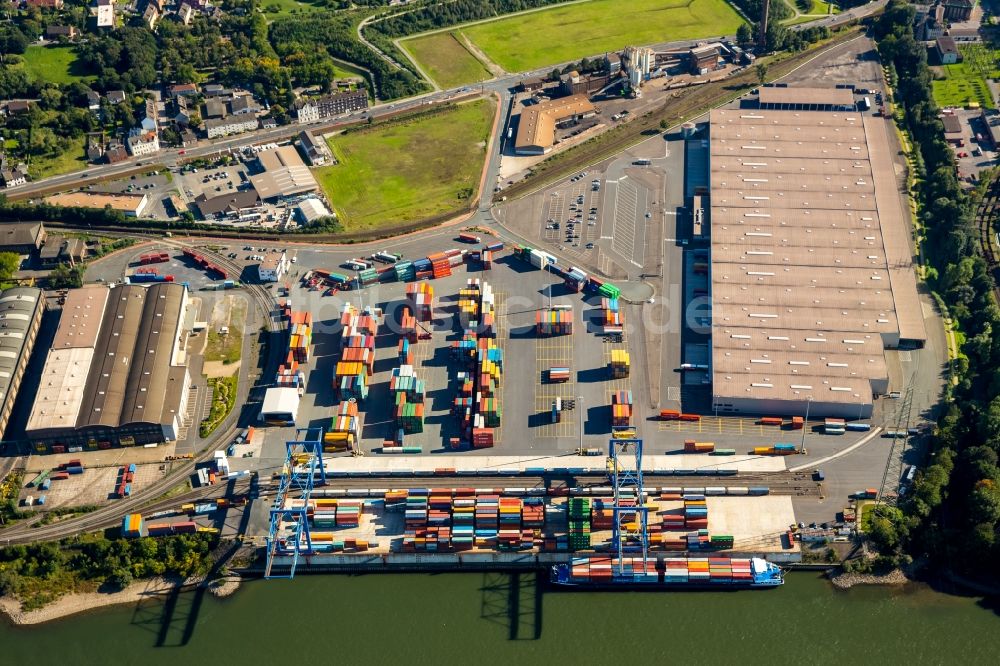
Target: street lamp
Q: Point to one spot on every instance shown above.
(805, 425)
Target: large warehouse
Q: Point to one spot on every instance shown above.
(116, 374)
(811, 270)
(21, 310)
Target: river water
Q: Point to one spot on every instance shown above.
(504, 619)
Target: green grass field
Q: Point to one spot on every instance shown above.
(56, 64)
(561, 34)
(73, 159)
(409, 170)
(961, 86)
(443, 57)
(345, 71)
(278, 8)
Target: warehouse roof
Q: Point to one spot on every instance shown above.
(808, 234)
(538, 122)
(810, 96)
(81, 318)
(795, 364)
(18, 307)
(128, 376)
(129, 203)
(285, 174)
(228, 202)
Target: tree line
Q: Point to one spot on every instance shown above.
(951, 514)
(41, 572)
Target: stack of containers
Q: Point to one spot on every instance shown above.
(349, 512)
(673, 521)
(487, 520)
(352, 372)
(409, 414)
(486, 259)
(619, 364)
(290, 376)
(697, 540)
(405, 352)
(509, 526)
(323, 513)
(621, 408)
(420, 298)
(367, 277)
(533, 513)
(300, 337)
(415, 520)
(691, 446)
(345, 428)
(407, 328)
(422, 269)
(579, 522)
(440, 265)
(575, 279)
(404, 380)
(695, 511)
(463, 520)
(132, 526)
(404, 271)
(722, 541)
(784, 449)
(608, 290)
(553, 322)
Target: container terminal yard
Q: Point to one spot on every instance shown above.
(492, 397)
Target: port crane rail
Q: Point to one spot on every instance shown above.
(303, 463)
(629, 529)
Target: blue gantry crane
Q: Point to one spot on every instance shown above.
(629, 533)
(303, 469)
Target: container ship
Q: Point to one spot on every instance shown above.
(676, 573)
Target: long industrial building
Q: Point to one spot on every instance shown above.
(116, 374)
(811, 266)
(21, 310)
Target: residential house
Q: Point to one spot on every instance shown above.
(15, 176)
(947, 50)
(214, 90)
(60, 32)
(315, 150)
(16, 106)
(332, 105)
(182, 111)
(957, 11)
(216, 127)
(93, 101)
(148, 119)
(95, 147)
(183, 90)
(243, 105)
(151, 15)
(104, 11)
(115, 97)
(61, 250)
(188, 138)
(268, 123)
(216, 109)
(142, 142)
(185, 13)
(115, 153)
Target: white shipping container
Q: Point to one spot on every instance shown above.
(737, 490)
(715, 490)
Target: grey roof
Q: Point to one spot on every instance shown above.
(130, 371)
(231, 201)
(18, 308)
(20, 233)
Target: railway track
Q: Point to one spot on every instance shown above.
(109, 515)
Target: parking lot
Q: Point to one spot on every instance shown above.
(212, 182)
(159, 187)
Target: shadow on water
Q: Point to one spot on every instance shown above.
(514, 601)
(171, 620)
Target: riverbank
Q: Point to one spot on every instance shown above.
(73, 604)
(845, 581)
